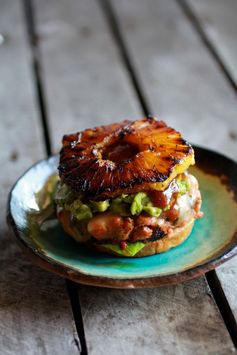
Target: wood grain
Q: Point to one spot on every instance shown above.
(218, 19)
(87, 85)
(168, 320)
(35, 314)
(184, 84)
(78, 58)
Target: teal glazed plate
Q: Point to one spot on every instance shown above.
(212, 241)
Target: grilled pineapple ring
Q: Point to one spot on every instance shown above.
(125, 157)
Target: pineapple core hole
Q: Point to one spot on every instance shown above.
(120, 152)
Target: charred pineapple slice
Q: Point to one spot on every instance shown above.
(125, 157)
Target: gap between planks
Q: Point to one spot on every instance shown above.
(41, 102)
(222, 304)
(193, 18)
(36, 67)
(211, 276)
(114, 26)
(113, 22)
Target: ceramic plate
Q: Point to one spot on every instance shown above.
(212, 241)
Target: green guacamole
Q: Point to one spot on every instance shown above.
(124, 205)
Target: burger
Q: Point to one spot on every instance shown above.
(124, 188)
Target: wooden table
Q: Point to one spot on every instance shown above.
(71, 64)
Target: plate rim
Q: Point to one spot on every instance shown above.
(78, 276)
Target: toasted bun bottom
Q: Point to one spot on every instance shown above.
(171, 240)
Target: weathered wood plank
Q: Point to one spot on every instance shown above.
(76, 48)
(169, 320)
(180, 78)
(227, 275)
(35, 313)
(218, 19)
(183, 83)
(87, 85)
(219, 22)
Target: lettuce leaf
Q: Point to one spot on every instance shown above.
(131, 250)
